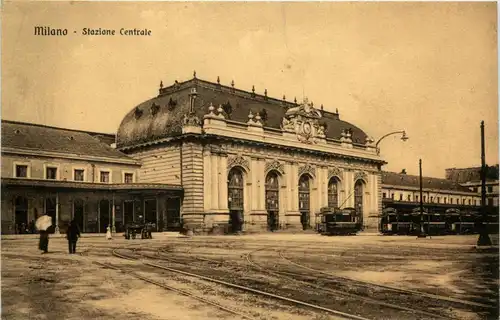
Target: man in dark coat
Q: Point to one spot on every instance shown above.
(44, 241)
(72, 235)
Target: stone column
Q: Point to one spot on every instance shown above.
(207, 181)
(222, 164)
(254, 201)
(57, 214)
(215, 182)
(262, 187)
(113, 226)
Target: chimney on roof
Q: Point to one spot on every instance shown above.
(403, 171)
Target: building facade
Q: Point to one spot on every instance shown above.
(471, 179)
(71, 174)
(402, 191)
(249, 162)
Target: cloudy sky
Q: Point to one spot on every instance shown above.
(428, 68)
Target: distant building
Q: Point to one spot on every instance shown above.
(471, 178)
(402, 191)
(70, 174)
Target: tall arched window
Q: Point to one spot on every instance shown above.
(235, 192)
(333, 193)
(304, 200)
(358, 198)
(272, 200)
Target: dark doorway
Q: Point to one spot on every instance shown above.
(358, 199)
(150, 212)
(78, 206)
(235, 199)
(104, 216)
(173, 214)
(304, 200)
(21, 212)
(272, 201)
(50, 210)
(128, 212)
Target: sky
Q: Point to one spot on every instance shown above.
(430, 68)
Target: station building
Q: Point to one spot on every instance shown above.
(401, 191)
(209, 157)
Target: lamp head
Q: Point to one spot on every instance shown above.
(404, 137)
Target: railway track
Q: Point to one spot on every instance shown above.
(176, 290)
(345, 293)
(338, 279)
(257, 292)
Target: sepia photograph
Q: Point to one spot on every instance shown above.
(275, 160)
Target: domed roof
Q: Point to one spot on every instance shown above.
(162, 116)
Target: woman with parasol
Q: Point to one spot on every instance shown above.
(43, 223)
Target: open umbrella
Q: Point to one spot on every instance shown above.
(43, 223)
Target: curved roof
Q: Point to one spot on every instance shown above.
(162, 116)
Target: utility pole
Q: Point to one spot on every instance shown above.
(484, 238)
(421, 234)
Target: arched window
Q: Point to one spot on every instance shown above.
(333, 193)
(235, 189)
(358, 198)
(304, 200)
(272, 192)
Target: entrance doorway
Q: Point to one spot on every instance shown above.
(173, 214)
(304, 200)
(104, 216)
(150, 212)
(50, 210)
(128, 212)
(272, 201)
(358, 199)
(235, 199)
(78, 213)
(21, 214)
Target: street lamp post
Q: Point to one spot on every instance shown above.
(484, 238)
(404, 137)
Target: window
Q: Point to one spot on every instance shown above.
(51, 173)
(128, 178)
(105, 176)
(416, 198)
(401, 197)
(463, 201)
(490, 189)
(333, 201)
(432, 199)
(444, 200)
(470, 202)
(425, 198)
(79, 175)
(384, 195)
(392, 196)
(408, 197)
(438, 199)
(21, 171)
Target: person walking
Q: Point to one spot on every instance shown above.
(72, 235)
(108, 233)
(44, 241)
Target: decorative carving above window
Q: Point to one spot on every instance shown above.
(171, 104)
(334, 172)
(275, 165)
(360, 175)
(307, 168)
(238, 161)
(192, 120)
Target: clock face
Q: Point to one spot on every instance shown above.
(307, 128)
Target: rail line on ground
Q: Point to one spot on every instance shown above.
(245, 288)
(176, 290)
(395, 289)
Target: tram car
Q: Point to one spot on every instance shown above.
(460, 222)
(394, 222)
(335, 221)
